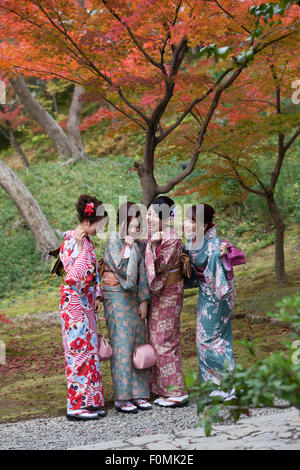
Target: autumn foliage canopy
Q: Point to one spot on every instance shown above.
(150, 64)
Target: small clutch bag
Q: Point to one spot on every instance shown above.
(105, 350)
(190, 280)
(143, 357)
(58, 267)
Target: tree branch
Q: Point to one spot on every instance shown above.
(134, 39)
(168, 36)
(193, 160)
(226, 157)
(189, 109)
(292, 139)
(91, 64)
(251, 190)
(261, 101)
(124, 113)
(231, 16)
(178, 56)
(190, 166)
(256, 48)
(184, 114)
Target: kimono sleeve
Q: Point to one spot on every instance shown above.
(167, 256)
(157, 267)
(234, 256)
(126, 269)
(142, 288)
(215, 276)
(198, 256)
(74, 267)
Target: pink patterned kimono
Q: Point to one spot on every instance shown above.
(80, 339)
(164, 315)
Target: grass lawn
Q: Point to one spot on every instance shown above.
(32, 380)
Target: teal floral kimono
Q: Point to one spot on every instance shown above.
(125, 328)
(217, 297)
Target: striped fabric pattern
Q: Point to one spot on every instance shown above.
(79, 331)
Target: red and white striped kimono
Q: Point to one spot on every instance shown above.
(80, 339)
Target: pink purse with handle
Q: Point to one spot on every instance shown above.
(143, 357)
(105, 350)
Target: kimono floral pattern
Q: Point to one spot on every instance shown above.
(215, 304)
(164, 315)
(80, 338)
(125, 328)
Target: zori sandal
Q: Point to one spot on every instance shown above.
(174, 402)
(81, 415)
(159, 399)
(98, 410)
(142, 404)
(125, 407)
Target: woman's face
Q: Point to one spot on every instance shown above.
(102, 224)
(189, 227)
(91, 229)
(154, 224)
(134, 227)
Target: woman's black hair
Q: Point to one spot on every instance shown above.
(126, 212)
(159, 203)
(209, 213)
(90, 208)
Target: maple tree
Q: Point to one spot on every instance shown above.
(134, 59)
(67, 144)
(259, 122)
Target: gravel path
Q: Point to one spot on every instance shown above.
(59, 433)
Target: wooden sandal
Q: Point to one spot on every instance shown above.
(126, 408)
(172, 402)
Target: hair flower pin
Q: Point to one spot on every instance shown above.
(173, 213)
(89, 208)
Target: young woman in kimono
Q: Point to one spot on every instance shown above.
(126, 296)
(163, 255)
(79, 298)
(217, 295)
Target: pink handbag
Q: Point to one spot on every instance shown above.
(105, 350)
(143, 357)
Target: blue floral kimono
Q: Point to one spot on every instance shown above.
(217, 297)
(125, 328)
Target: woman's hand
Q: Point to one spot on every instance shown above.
(143, 310)
(129, 241)
(98, 305)
(223, 248)
(156, 237)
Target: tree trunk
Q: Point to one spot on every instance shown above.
(29, 209)
(17, 147)
(74, 123)
(39, 114)
(55, 105)
(279, 240)
(146, 171)
(148, 184)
